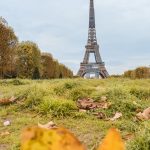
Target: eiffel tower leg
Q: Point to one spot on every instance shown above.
(86, 57)
(97, 56)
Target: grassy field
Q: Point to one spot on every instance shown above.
(46, 100)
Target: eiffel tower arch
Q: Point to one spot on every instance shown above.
(97, 67)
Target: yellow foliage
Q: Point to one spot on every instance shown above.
(36, 138)
(112, 141)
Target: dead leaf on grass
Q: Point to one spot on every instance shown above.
(6, 101)
(145, 115)
(49, 125)
(100, 115)
(128, 136)
(88, 104)
(117, 116)
(5, 133)
(82, 110)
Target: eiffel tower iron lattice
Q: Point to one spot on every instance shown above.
(86, 67)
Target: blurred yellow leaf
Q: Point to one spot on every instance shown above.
(36, 138)
(112, 141)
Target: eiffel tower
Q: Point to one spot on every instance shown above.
(87, 68)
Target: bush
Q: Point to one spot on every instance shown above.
(70, 85)
(57, 108)
(34, 97)
(62, 89)
(116, 93)
(122, 101)
(141, 142)
(78, 93)
(17, 82)
(141, 93)
(59, 90)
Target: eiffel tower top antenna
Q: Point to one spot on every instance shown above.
(92, 31)
(92, 15)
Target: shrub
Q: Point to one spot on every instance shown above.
(70, 85)
(57, 108)
(62, 89)
(80, 115)
(34, 97)
(59, 90)
(141, 93)
(116, 93)
(16, 82)
(141, 141)
(78, 93)
(122, 101)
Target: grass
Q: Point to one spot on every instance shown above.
(46, 100)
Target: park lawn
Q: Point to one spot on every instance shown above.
(55, 100)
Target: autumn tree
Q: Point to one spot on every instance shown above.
(48, 69)
(142, 72)
(8, 43)
(24, 60)
(56, 69)
(51, 68)
(28, 59)
(138, 73)
(36, 73)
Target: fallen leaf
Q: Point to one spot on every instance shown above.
(145, 115)
(88, 104)
(82, 110)
(128, 136)
(100, 115)
(112, 141)
(49, 125)
(117, 116)
(6, 101)
(103, 98)
(36, 138)
(5, 133)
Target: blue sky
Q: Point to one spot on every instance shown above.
(60, 27)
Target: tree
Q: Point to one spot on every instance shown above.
(138, 73)
(8, 43)
(47, 66)
(56, 69)
(142, 72)
(51, 68)
(36, 73)
(28, 59)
